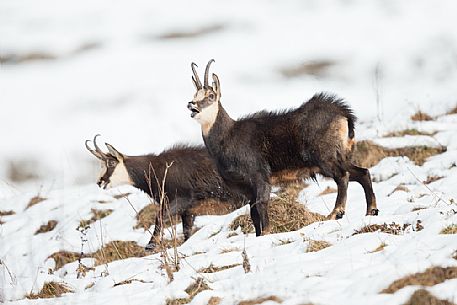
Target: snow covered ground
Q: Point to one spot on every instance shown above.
(353, 270)
(71, 69)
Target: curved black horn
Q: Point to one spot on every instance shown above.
(96, 154)
(197, 80)
(97, 149)
(206, 72)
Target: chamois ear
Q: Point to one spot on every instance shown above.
(114, 152)
(216, 86)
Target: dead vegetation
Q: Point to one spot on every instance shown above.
(22, 170)
(62, 258)
(35, 200)
(7, 213)
(379, 248)
(146, 217)
(50, 290)
(285, 213)
(431, 179)
(399, 188)
(368, 154)
(261, 300)
(14, 59)
(316, 68)
(430, 277)
(195, 288)
(47, 227)
(328, 190)
(112, 251)
(391, 228)
(120, 196)
(117, 250)
(421, 116)
(317, 245)
(408, 132)
(197, 32)
(423, 297)
(451, 229)
(452, 111)
(214, 301)
(213, 269)
(96, 215)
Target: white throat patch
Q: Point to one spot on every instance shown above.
(120, 176)
(207, 117)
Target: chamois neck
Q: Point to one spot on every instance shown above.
(140, 167)
(222, 124)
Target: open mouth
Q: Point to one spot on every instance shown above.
(193, 109)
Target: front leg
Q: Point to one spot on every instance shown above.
(187, 223)
(263, 190)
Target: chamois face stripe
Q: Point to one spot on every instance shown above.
(119, 176)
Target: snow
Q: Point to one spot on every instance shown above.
(113, 74)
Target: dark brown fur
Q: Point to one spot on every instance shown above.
(253, 152)
(191, 184)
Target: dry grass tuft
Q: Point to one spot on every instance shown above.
(62, 258)
(317, 245)
(430, 277)
(50, 290)
(213, 269)
(117, 250)
(214, 301)
(368, 154)
(146, 217)
(408, 132)
(452, 111)
(195, 288)
(272, 298)
(229, 249)
(379, 248)
(198, 32)
(285, 213)
(129, 281)
(423, 297)
(451, 229)
(400, 188)
(316, 68)
(96, 215)
(7, 213)
(431, 179)
(328, 190)
(120, 196)
(391, 228)
(421, 116)
(35, 200)
(47, 227)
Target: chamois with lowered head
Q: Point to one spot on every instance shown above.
(315, 138)
(185, 174)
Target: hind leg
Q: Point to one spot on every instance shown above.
(362, 176)
(340, 204)
(263, 197)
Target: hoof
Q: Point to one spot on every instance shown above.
(373, 212)
(150, 247)
(335, 215)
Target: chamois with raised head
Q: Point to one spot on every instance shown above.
(250, 153)
(191, 183)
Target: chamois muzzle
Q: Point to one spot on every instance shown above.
(193, 108)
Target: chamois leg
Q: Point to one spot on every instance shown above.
(340, 204)
(187, 223)
(362, 176)
(255, 217)
(263, 197)
(167, 212)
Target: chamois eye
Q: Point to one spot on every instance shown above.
(111, 163)
(211, 96)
